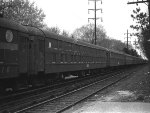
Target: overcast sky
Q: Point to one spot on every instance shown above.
(72, 14)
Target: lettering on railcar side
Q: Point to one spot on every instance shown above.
(9, 46)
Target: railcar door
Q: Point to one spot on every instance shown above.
(36, 55)
(31, 56)
(41, 55)
(23, 54)
(108, 59)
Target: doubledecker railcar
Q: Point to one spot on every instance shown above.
(31, 56)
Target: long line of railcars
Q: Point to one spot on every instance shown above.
(29, 55)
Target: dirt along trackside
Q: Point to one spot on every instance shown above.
(135, 88)
(130, 95)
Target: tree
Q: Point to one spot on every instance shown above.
(146, 42)
(23, 12)
(65, 33)
(86, 33)
(130, 52)
(141, 19)
(113, 44)
(142, 27)
(55, 30)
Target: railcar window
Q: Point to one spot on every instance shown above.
(11, 56)
(83, 59)
(75, 58)
(2, 36)
(61, 58)
(63, 45)
(69, 46)
(2, 55)
(41, 45)
(54, 56)
(54, 43)
(71, 58)
(91, 59)
(76, 48)
(60, 44)
(66, 58)
(78, 58)
(73, 47)
(87, 59)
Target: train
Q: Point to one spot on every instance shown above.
(31, 56)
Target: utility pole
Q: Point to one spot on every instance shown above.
(95, 18)
(135, 43)
(128, 38)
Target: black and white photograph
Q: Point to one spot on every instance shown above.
(74, 56)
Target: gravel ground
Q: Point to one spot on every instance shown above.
(135, 88)
(132, 94)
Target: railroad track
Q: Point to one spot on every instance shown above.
(17, 95)
(22, 99)
(37, 101)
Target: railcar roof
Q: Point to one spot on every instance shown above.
(56, 36)
(35, 31)
(9, 24)
(118, 52)
(48, 34)
(91, 45)
(124, 54)
(63, 38)
(133, 56)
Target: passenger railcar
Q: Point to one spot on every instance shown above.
(13, 52)
(117, 58)
(29, 55)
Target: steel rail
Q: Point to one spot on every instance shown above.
(38, 95)
(31, 107)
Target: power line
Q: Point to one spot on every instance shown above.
(141, 1)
